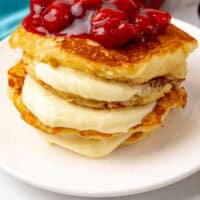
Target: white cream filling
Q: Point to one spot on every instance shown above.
(75, 82)
(56, 112)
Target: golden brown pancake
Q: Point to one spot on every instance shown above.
(165, 56)
(157, 62)
(90, 138)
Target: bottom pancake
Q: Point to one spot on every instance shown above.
(92, 143)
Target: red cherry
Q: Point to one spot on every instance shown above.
(160, 18)
(153, 3)
(139, 3)
(144, 25)
(32, 24)
(104, 15)
(128, 6)
(90, 3)
(29, 22)
(57, 16)
(114, 38)
(111, 29)
(37, 6)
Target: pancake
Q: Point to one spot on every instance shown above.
(142, 94)
(137, 64)
(92, 143)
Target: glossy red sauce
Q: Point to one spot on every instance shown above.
(112, 23)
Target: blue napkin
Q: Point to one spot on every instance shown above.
(11, 14)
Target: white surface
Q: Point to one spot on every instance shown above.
(171, 154)
(11, 189)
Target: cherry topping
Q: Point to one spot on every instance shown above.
(128, 6)
(160, 18)
(37, 6)
(56, 16)
(112, 23)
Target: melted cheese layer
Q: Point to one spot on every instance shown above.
(75, 82)
(56, 112)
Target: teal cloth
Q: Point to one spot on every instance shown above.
(11, 14)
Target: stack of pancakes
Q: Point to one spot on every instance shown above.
(92, 100)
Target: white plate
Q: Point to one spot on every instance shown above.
(169, 155)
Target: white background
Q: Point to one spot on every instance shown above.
(188, 189)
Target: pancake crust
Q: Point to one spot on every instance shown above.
(176, 98)
(135, 63)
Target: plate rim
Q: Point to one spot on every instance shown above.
(114, 193)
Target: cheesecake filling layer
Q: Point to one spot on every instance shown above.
(75, 82)
(56, 112)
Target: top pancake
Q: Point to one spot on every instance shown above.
(134, 63)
